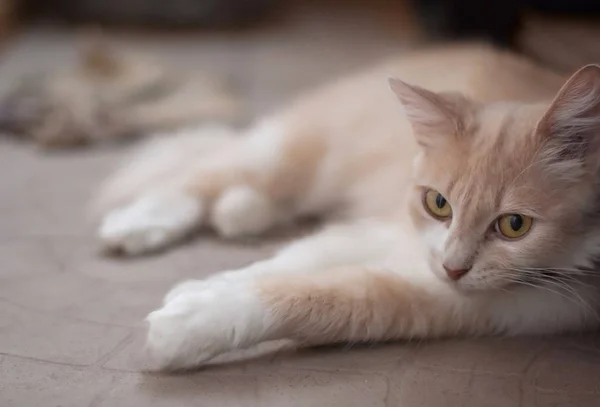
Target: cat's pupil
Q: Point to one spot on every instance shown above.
(440, 201)
(516, 222)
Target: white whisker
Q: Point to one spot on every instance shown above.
(561, 287)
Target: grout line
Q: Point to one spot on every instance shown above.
(62, 318)
(118, 347)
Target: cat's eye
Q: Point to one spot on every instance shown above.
(436, 205)
(513, 226)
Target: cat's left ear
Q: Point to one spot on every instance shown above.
(432, 116)
(571, 125)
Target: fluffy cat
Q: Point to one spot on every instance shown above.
(472, 211)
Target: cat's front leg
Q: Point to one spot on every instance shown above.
(334, 246)
(342, 304)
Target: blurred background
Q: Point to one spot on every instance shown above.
(270, 49)
(73, 72)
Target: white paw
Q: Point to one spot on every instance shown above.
(222, 280)
(150, 223)
(186, 287)
(197, 325)
(243, 211)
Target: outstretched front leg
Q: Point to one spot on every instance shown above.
(237, 309)
(350, 283)
(335, 305)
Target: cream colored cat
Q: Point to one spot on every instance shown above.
(470, 213)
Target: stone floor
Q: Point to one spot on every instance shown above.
(70, 319)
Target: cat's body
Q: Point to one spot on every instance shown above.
(391, 270)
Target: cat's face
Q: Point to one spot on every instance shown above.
(507, 193)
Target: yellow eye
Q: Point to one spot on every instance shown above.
(514, 225)
(436, 205)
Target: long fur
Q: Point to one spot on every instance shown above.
(484, 134)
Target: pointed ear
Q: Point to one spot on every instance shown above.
(431, 115)
(571, 125)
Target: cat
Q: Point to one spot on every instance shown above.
(462, 197)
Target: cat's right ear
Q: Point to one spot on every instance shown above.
(571, 125)
(432, 116)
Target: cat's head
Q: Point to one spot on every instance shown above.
(507, 192)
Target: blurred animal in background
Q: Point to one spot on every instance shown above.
(108, 96)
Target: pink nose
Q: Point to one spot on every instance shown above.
(455, 275)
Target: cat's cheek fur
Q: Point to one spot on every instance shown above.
(434, 236)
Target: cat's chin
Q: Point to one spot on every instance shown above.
(465, 289)
(475, 291)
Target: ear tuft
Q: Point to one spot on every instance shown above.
(571, 125)
(577, 105)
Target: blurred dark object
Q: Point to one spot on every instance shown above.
(461, 19)
(567, 7)
(7, 16)
(162, 13)
(496, 21)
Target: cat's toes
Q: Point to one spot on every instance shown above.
(242, 211)
(120, 234)
(197, 325)
(185, 287)
(150, 223)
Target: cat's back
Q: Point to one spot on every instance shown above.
(476, 70)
